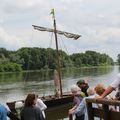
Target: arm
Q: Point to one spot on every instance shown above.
(79, 108)
(77, 102)
(107, 91)
(73, 108)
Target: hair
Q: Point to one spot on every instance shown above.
(90, 91)
(74, 88)
(29, 101)
(99, 89)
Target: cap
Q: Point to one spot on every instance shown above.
(80, 82)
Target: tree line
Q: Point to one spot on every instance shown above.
(45, 58)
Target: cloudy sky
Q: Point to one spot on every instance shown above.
(98, 21)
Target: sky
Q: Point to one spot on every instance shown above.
(98, 21)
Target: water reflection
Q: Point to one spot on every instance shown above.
(86, 72)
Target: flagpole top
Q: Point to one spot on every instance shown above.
(53, 13)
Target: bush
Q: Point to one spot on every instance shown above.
(10, 67)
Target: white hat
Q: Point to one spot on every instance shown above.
(75, 89)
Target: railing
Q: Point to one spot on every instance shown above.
(104, 112)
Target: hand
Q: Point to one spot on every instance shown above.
(70, 111)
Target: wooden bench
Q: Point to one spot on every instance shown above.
(103, 112)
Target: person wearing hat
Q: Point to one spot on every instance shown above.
(83, 85)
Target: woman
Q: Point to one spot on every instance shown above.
(30, 111)
(76, 92)
(82, 108)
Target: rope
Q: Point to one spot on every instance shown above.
(64, 45)
(66, 49)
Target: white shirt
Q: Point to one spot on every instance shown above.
(41, 105)
(116, 82)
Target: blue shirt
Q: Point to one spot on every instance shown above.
(82, 108)
(3, 113)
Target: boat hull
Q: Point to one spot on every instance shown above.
(50, 101)
(65, 99)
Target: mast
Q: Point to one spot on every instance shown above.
(66, 34)
(57, 50)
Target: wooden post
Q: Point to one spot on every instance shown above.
(106, 112)
(90, 111)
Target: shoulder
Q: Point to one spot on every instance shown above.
(39, 101)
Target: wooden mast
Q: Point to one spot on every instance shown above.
(57, 51)
(66, 34)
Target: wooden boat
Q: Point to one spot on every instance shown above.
(59, 98)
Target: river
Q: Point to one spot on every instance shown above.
(15, 86)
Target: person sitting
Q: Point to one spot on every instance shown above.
(83, 86)
(3, 112)
(30, 111)
(41, 105)
(76, 100)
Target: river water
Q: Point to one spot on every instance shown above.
(15, 86)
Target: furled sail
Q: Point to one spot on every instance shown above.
(57, 84)
(66, 34)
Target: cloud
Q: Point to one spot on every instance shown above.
(95, 20)
(9, 41)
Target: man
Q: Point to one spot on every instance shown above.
(83, 86)
(3, 112)
(115, 84)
